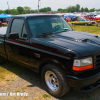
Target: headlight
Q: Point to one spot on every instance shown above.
(82, 64)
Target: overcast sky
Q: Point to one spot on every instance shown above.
(54, 4)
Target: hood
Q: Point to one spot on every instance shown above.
(86, 44)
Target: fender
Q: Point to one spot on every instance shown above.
(52, 61)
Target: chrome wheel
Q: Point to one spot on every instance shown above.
(51, 81)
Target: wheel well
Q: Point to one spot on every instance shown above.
(45, 63)
(41, 66)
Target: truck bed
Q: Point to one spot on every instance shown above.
(2, 44)
(2, 31)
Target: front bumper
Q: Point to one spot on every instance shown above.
(84, 84)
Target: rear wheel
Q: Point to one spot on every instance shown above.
(55, 80)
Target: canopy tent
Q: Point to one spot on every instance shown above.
(98, 16)
(69, 15)
(3, 16)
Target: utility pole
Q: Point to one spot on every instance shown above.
(8, 7)
(38, 6)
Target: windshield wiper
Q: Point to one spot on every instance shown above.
(43, 34)
(64, 29)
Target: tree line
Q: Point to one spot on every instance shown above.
(26, 10)
(76, 8)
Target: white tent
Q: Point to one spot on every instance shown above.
(98, 16)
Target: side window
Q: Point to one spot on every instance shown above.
(24, 33)
(17, 26)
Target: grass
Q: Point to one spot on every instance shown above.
(7, 80)
(90, 29)
(9, 71)
(46, 96)
(17, 91)
(7, 88)
(23, 88)
(90, 99)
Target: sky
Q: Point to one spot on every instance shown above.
(54, 4)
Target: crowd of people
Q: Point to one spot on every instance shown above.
(0, 24)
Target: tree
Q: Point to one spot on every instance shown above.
(6, 11)
(86, 9)
(20, 10)
(14, 12)
(45, 9)
(32, 11)
(69, 9)
(48, 9)
(77, 7)
(27, 9)
(73, 9)
(82, 9)
(92, 10)
(1, 11)
(60, 10)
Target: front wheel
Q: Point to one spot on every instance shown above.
(55, 80)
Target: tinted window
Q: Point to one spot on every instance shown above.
(17, 26)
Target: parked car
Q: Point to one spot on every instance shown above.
(90, 17)
(81, 21)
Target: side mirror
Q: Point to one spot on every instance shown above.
(14, 36)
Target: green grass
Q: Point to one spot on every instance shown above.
(7, 80)
(46, 96)
(9, 71)
(17, 91)
(90, 29)
(7, 88)
(90, 99)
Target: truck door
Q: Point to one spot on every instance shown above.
(17, 49)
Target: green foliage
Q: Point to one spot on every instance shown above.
(1, 11)
(27, 10)
(14, 11)
(77, 7)
(6, 11)
(46, 95)
(92, 10)
(45, 9)
(86, 9)
(20, 10)
(82, 9)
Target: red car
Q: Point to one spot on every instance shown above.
(90, 17)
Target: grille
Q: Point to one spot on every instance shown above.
(97, 61)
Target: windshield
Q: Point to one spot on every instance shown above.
(50, 25)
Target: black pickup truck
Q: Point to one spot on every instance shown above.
(48, 45)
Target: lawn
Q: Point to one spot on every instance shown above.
(90, 29)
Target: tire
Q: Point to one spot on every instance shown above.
(54, 80)
(2, 60)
